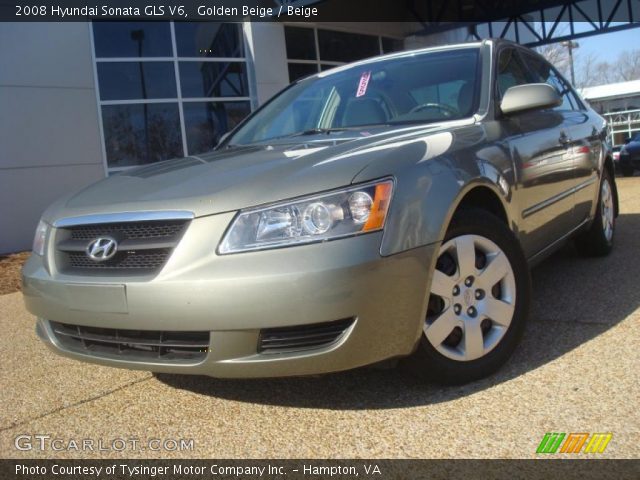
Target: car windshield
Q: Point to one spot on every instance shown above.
(417, 88)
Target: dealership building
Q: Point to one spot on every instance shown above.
(619, 103)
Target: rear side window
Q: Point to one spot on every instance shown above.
(510, 71)
(543, 72)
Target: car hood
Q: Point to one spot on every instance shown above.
(241, 177)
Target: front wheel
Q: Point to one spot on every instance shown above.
(627, 171)
(478, 304)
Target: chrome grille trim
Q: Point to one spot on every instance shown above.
(144, 216)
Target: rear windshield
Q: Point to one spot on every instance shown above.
(420, 88)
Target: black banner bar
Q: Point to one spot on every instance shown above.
(579, 469)
(423, 12)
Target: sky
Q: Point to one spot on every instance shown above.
(608, 46)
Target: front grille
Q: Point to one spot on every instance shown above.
(154, 229)
(142, 260)
(134, 345)
(143, 247)
(302, 337)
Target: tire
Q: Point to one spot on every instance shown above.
(598, 240)
(627, 171)
(495, 251)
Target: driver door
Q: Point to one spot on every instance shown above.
(542, 160)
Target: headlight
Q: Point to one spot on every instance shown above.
(40, 238)
(341, 213)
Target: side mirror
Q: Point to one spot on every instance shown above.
(528, 97)
(627, 140)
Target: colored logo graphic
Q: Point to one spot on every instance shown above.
(574, 442)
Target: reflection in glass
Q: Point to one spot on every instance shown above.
(132, 39)
(346, 47)
(136, 80)
(301, 70)
(209, 39)
(301, 43)
(141, 133)
(206, 122)
(213, 79)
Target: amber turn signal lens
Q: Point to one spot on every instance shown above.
(381, 201)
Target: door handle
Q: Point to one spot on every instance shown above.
(564, 139)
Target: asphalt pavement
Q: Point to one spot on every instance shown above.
(577, 370)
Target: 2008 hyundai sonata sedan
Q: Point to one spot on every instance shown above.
(387, 208)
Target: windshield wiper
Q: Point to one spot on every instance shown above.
(318, 131)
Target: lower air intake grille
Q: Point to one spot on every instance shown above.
(142, 345)
(301, 337)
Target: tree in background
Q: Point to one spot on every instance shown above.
(589, 69)
(628, 65)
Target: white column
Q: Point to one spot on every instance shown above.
(267, 57)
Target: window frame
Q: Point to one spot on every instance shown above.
(496, 86)
(573, 97)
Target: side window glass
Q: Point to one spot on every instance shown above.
(510, 71)
(543, 72)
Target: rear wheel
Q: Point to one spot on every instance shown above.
(598, 240)
(478, 303)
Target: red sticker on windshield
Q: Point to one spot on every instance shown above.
(363, 84)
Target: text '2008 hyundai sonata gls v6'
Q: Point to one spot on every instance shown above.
(387, 208)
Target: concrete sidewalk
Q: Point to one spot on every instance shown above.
(577, 370)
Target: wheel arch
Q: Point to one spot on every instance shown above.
(481, 194)
(422, 211)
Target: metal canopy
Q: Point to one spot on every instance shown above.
(530, 22)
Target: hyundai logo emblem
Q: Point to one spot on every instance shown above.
(102, 248)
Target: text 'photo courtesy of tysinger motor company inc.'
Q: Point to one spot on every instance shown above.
(313, 239)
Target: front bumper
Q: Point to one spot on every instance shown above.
(234, 297)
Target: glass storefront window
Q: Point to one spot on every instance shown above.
(206, 122)
(390, 45)
(335, 48)
(346, 47)
(132, 80)
(209, 39)
(301, 43)
(144, 116)
(213, 79)
(132, 39)
(301, 70)
(141, 133)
